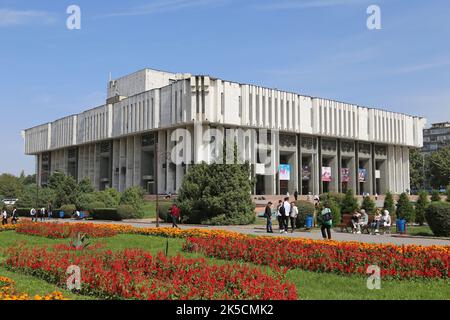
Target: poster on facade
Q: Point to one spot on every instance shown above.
(345, 174)
(284, 171)
(260, 169)
(377, 174)
(362, 174)
(326, 174)
(306, 173)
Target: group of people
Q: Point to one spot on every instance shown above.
(5, 216)
(41, 213)
(286, 211)
(361, 219)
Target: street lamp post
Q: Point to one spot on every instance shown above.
(158, 155)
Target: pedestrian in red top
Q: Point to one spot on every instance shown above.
(175, 213)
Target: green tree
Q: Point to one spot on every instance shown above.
(368, 204)
(417, 166)
(10, 186)
(133, 196)
(349, 203)
(435, 196)
(85, 186)
(217, 194)
(389, 203)
(405, 209)
(421, 206)
(440, 167)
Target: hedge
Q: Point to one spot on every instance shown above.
(164, 210)
(305, 208)
(105, 214)
(438, 218)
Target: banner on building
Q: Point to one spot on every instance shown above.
(306, 173)
(362, 175)
(284, 171)
(260, 169)
(345, 174)
(377, 174)
(326, 174)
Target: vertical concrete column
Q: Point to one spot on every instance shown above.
(198, 142)
(137, 178)
(130, 162)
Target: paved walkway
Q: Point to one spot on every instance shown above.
(314, 234)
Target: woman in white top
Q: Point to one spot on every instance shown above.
(293, 215)
(386, 219)
(4, 216)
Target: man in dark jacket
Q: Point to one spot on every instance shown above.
(268, 216)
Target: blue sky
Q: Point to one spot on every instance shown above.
(315, 47)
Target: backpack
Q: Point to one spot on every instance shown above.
(282, 210)
(327, 216)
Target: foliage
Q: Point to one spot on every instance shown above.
(217, 194)
(163, 210)
(389, 203)
(105, 214)
(435, 196)
(447, 193)
(126, 211)
(349, 203)
(335, 210)
(69, 209)
(134, 197)
(421, 206)
(417, 166)
(439, 163)
(305, 208)
(368, 204)
(28, 197)
(80, 241)
(405, 209)
(438, 217)
(10, 186)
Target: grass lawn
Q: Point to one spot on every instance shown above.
(149, 209)
(310, 285)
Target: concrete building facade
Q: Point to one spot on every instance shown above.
(314, 145)
(436, 137)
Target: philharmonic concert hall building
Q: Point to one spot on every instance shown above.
(314, 145)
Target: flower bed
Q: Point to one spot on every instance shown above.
(64, 230)
(135, 274)
(8, 292)
(328, 256)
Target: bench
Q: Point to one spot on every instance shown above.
(345, 223)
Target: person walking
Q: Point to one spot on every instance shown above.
(15, 216)
(326, 221)
(50, 210)
(280, 215)
(33, 214)
(296, 195)
(42, 214)
(287, 212)
(268, 216)
(4, 216)
(293, 215)
(175, 213)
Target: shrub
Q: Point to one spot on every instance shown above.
(305, 208)
(69, 209)
(405, 209)
(447, 193)
(335, 210)
(438, 217)
(389, 204)
(126, 211)
(435, 196)
(105, 214)
(421, 206)
(217, 190)
(337, 198)
(95, 205)
(368, 204)
(163, 210)
(349, 203)
(84, 201)
(134, 197)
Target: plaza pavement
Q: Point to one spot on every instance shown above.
(314, 234)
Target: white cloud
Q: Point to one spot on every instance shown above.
(422, 67)
(11, 17)
(164, 6)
